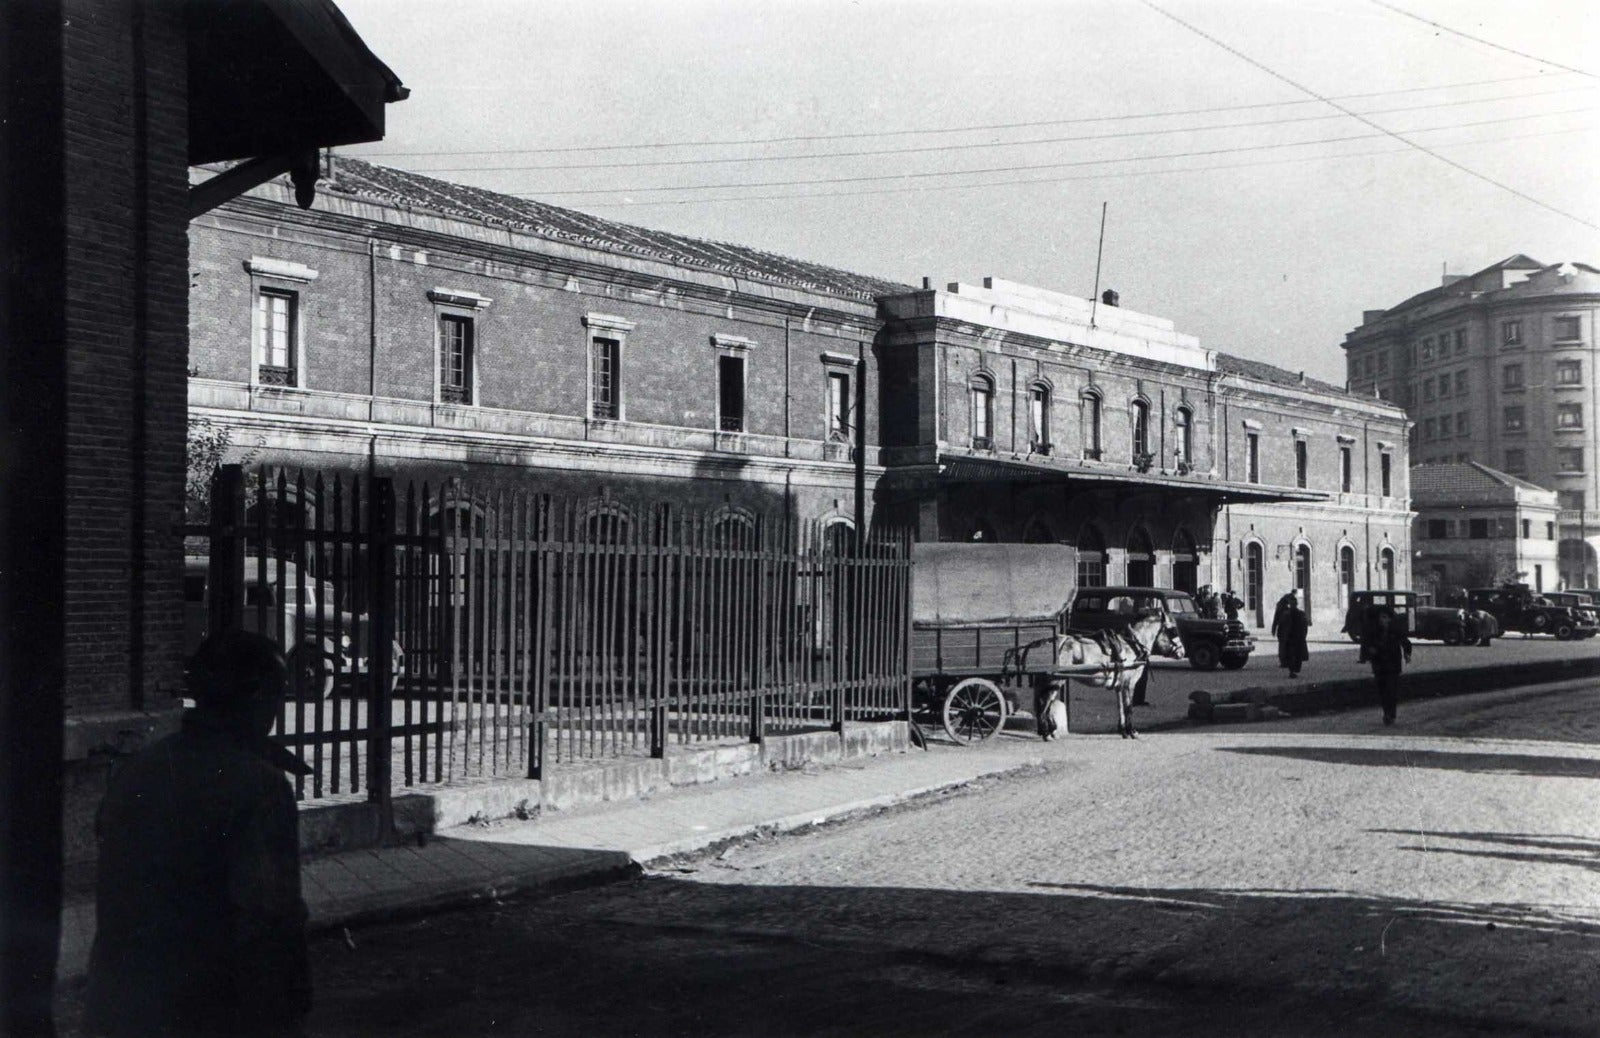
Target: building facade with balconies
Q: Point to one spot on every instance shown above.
(410, 326)
(1498, 368)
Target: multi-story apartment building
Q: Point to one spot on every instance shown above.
(1498, 368)
(411, 326)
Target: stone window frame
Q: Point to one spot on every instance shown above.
(1564, 366)
(1183, 445)
(1562, 411)
(1509, 384)
(1140, 411)
(1519, 425)
(1385, 468)
(1039, 439)
(1092, 416)
(457, 304)
(739, 348)
(1252, 451)
(1511, 333)
(610, 328)
(836, 366)
(1302, 457)
(980, 400)
(1556, 336)
(1347, 462)
(1562, 468)
(284, 279)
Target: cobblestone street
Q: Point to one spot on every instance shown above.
(1323, 876)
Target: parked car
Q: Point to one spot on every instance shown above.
(1363, 607)
(291, 619)
(1588, 616)
(1518, 607)
(1453, 625)
(1206, 642)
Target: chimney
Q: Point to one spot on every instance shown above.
(1110, 297)
(927, 283)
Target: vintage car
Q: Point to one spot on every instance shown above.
(1453, 625)
(1517, 607)
(1206, 642)
(1358, 616)
(323, 643)
(1588, 616)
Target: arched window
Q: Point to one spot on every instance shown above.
(1141, 432)
(1347, 573)
(1185, 562)
(1091, 557)
(1302, 575)
(1386, 569)
(1039, 418)
(1091, 425)
(1141, 558)
(982, 412)
(1182, 449)
(1255, 571)
(1038, 533)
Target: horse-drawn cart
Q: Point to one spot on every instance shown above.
(988, 620)
(974, 607)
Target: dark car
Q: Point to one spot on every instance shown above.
(1206, 642)
(1518, 607)
(1358, 617)
(1453, 625)
(1588, 617)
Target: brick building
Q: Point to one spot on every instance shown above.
(1498, 368)
(1477, 527)
(104, 104)
(422, 328)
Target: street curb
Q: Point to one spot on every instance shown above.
(609, 866)
(1359, 692)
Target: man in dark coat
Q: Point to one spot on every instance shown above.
(1387, 646)
(1291, 624)
(201, 926)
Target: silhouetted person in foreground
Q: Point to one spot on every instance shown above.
(201, 927)
(1387, 649)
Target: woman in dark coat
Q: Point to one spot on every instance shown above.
(1290, 624)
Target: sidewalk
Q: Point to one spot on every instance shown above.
(472, 863)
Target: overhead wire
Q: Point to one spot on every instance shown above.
(986, 145)
(1109, 175)
(1361, 118)
(981, 127)
(1487, 43)
(927, 174)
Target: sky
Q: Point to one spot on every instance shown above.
(1252, 214)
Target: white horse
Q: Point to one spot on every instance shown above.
(1112, 658)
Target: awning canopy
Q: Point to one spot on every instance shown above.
(955, 467)
(280, 77)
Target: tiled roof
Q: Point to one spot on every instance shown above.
(1441, 482)
(356, 178)
(1262, 372)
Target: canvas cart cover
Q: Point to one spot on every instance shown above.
(975, 583)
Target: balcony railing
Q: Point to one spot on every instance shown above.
(275, 375)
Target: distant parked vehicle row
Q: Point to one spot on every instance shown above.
(1519, 608)
(1419, 618)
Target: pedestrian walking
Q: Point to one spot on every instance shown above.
(1231, 604)
(201, 925)
(1290, 625)
(1387, 649)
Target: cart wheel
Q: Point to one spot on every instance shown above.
(974, 710)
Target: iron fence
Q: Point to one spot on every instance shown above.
(451, 632)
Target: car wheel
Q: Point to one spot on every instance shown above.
(311, 674)
(1203, 656)
(1234, 662)
(1564, 632)
(1453, 636)
(1540, 623)
(1484, 642)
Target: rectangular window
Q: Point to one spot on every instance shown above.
(1568, 329)
(839, 426)
(1569, 459)
(1427, 391)
(1569, 372)
(1252, 464)
(1550, 531)
(1370, 364)
(1478, 529)
(1427, 348)
(1511, 333)
(1408, 394)
(1438, 529)
(730, 393)
(1430, 429)
(1514, 419)
(1461, 382)
(1345, 466)
(1302, 463)
(1511, 376)
(605, 378)
(1446, 427)
(455, 359)
(1463, 423)
(1039, 419)
(1527, 529)
(1444, 386)
(1383, 361)
(1569, 500)
(1386, 467)
(276, 320)
(1516, 460)
(1569, 416)
(1461, 340)
(982, 415)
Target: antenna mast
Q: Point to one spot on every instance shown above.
(1094, 301)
